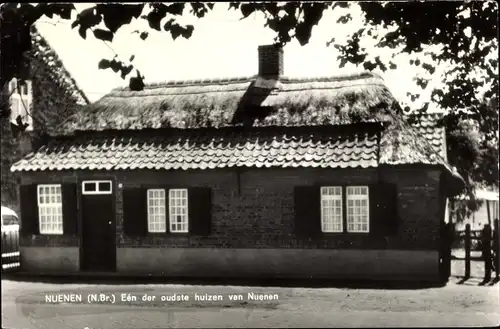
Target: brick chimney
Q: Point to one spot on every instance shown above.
(270, 61)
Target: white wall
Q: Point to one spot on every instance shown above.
(478, 219)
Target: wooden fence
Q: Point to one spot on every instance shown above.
(471, 242)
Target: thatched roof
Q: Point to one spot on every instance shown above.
(251, 103)
(247, 101)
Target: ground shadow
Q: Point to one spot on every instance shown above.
(463, 280)
(470, 281)
(489, 282)
(292, 283)
(494, 281)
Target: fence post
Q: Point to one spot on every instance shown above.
(451, 238)
(467, 244)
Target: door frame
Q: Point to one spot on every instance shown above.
(80, 197)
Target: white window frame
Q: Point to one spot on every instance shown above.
(331, 220)
(174, 208)
(55, 208)
(97, 188)
(357, 197)
(156, 212)
(17, 101)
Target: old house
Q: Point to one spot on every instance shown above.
(44, 97)
(263, 176)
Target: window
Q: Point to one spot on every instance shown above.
(331, 209)
(50, 209)
(357, 209)
(178, 210)
(96, 187)
(156, 211)
(104, 186)
(10, 220)
(21, 100)
(89, 187)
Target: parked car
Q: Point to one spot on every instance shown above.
(10, 238)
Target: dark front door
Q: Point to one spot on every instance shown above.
(98, 240)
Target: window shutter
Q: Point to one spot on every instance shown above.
(307, 201)
(383, 209)
(200, 210)
(29, 223)
(69, 209)
(135, 212)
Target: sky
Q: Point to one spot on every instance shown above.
(222, 45)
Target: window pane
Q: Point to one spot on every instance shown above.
(50, 209)
(156, 213)
(331, 209)
(357, 212)
(178, 209)
(89, 187)
(105, 186)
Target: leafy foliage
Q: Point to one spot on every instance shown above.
(462, 38)
(17, 19)
(9, 151)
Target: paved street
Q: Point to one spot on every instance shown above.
(24, 306)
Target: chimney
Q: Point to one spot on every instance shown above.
(270, 61)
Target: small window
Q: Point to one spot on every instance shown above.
(90, 187)
(21, 101)
(50, 209)
(96, 187)
(156, 211)
(23, 89)
(12, 87)
(357, 209)
(105, 187)
(331, 209)
(178, 210)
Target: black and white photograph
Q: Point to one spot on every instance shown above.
(249, 164)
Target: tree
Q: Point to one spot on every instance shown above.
(460, 36)
(18, 18)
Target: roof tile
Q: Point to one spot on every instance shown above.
(160, 150)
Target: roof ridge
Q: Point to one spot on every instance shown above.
(190, 82)
(230, 80)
